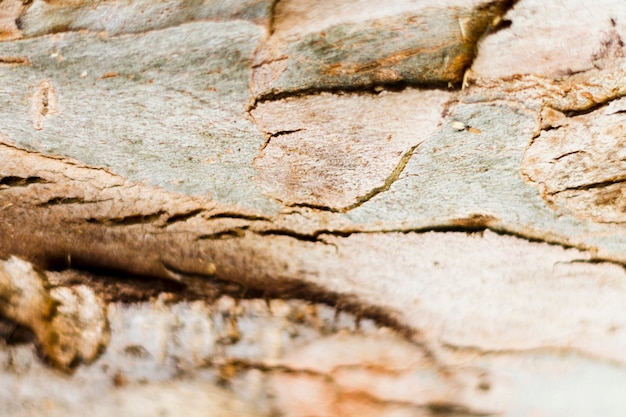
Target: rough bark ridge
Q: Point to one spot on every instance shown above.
(423, 205)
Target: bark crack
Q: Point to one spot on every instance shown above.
(54, 201)
(238, 215)
(271, 136)
(233, 233)
(590, 186)
(388, 182)
(131, 220)
(182, 217)
(17, 181)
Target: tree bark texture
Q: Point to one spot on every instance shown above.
(305, 208)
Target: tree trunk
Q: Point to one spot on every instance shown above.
(304, 208)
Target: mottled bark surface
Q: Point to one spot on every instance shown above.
(312, 208)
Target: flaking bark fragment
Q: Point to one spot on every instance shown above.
(69, 322)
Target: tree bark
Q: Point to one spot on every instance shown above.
(312, 208)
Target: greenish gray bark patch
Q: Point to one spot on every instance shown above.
(166, 107)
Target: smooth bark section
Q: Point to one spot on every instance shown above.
(554, 39)
(132, 16)
(167, 107)
(333, 151)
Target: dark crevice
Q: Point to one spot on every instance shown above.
(549, 128)
(568, 154)
(477, 223)
(502, 7)
(114, 285)
(315, 207)
(528, 237)
(234, 233)
(127, 220)
(308, 237)
(496, 9)
(15, 334)
(270, 136)
(593, 185)
(450, 409)
(312, 237)
(598, 261)
(369, 89)
(473, 224)
(285, 132)
(68, 200)
(15, 181)
(234, 215)
(554, 240)
(119, 286)
(181, 217)
(501, 25)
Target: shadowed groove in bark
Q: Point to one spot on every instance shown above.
(453, 410)
(127, 220)
(115, 285)
(69, 200)
(16, 181)
(182, 217)
(373, 89)
(591, 186)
